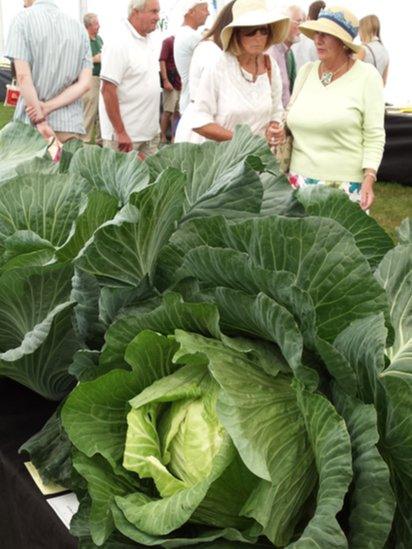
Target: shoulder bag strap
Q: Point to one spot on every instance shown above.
(373, 55)
(297, 90)
(268, 66)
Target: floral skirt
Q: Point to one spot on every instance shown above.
(351, 189)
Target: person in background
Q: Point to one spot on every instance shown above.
(337, 116)
(283, 54)
(373, 51)
(91, 98)
(51, 81)
(171, 89)
(195, 14)
(130, 99)
(244, 86)
(206, 54)
(305, 49)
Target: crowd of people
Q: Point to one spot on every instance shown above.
(279, 73)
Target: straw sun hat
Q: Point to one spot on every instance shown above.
(254, 13)
(337, 21)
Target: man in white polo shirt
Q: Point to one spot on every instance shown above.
(130, 99)
(195, 13)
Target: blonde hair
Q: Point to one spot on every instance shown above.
(369, 28)
(88, 19)
(223, 18)
(235, 47)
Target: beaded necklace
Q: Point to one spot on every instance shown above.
(254, 76)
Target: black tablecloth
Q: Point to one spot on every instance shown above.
(26, 519)
(5, 78)
(397, 159)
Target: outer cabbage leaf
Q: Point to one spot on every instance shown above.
(68, 151)
(26, 249)
(103, 486)
(18, 144)
(117, 174)
(86, 293)
(172, 314)
(199, 537)
(46, 204)
(230, 268)
(371, 239)
(405, 231)
(320, 253)
(362, 343)
(373, 501)
(219, 178)
(330, 443)
(103, 433)
(37, 341)
(395, 274)
(278, 196)
(123, 252)
(263, 317)
(50, 451)
(99, 208)
(85, 365)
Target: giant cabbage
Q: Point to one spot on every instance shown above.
(242, 350)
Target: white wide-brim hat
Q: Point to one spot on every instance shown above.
(337, 21)
(253, 13)
(188, 5)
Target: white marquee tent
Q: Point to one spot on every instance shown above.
(395, 17)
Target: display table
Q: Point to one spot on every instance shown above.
(26, 519)
(396, 164)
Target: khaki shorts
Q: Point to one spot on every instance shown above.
(171, 101)
(63, 137)
(148, 148)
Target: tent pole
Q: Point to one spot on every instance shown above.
(82, 8)
(1, 30)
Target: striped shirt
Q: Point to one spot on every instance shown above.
(57, 49)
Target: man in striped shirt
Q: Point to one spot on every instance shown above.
(53, 64)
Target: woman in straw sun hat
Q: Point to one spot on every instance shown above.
(244, 85)
(336, 112)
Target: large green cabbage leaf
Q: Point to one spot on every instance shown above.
(37, 340)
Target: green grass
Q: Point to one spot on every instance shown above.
(6, 114)
(392, 204)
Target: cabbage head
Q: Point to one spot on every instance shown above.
(206, 437)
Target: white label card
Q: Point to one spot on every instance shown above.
(65, 507)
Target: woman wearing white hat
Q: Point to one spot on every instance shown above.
(336, 114)
(244, 85)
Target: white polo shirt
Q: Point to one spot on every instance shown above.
(130, 61)
(186, 39)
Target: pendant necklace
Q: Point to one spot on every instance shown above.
(326, 77)
(254, 76)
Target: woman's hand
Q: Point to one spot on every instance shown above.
(367, 195)
(275, 134)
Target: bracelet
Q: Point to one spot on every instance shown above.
(39, 121)
(370, 174)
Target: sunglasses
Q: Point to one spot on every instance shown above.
(264, 31)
